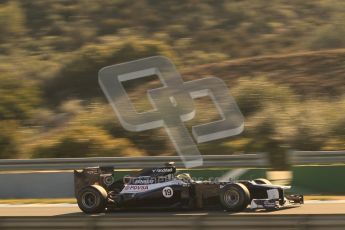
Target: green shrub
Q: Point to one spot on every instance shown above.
(252, 94)
(9, 147)
(328, 37)
(18, 98)
(78, 78)
(84, 141)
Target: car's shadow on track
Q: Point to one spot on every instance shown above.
(167, 213)
(149, 213)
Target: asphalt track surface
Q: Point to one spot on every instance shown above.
(310, 208)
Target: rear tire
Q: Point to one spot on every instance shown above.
(234, 197)
(92, 199)
(262, 181)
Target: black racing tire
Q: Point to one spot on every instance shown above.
(92, 199)
(262, 181)
(234, 197)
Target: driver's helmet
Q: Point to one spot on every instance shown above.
(184, 177)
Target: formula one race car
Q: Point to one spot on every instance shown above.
(96, 191)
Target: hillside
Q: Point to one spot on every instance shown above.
(293, 100)
(284, 63)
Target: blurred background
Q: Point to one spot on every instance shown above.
(283, 61)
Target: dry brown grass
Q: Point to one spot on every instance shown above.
(320, 73)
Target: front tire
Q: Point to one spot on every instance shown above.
(92, 199)
(234, 197)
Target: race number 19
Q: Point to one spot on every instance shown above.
(168, 192)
